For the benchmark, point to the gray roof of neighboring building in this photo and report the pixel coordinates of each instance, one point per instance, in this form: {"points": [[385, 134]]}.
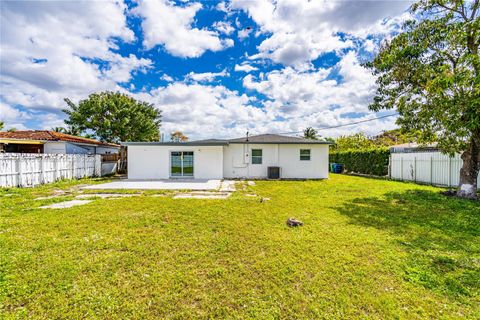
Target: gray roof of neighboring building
{"points": [[259, 139], [413, 146]]}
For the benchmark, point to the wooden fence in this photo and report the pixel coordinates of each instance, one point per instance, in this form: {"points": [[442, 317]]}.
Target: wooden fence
{"points": [[24, 170], [426, 167]]}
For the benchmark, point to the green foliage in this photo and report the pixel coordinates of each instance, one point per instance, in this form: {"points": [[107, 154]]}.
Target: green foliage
{"points": [[369, 249], [431, 74], [367, 161], [1, 125], [358, 141], [115, 117], [310, 133], [74, 131]]}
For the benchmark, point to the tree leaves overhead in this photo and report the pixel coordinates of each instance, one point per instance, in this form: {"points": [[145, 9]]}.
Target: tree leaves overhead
{"points": [[115, 117], [431, 73]]}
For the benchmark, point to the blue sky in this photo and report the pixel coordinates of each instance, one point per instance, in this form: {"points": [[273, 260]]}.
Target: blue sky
{"points": [[214, 68]]}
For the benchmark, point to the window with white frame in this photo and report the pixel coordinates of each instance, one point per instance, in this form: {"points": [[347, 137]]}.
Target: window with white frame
{"points": [[257, 156], [305, 154]]}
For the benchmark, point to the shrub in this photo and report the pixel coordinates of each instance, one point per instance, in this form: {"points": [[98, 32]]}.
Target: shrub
{"points": [[371, 161]]}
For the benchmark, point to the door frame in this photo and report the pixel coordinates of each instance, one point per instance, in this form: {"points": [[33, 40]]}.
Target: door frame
{"points": [[170, 165]]}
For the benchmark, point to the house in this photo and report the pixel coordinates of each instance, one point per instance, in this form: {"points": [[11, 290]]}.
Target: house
{"points": [[258, 157], [45, 141]]}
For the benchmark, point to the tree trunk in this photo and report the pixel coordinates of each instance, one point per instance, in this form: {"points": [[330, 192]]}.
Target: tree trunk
{"points": [[467, 187]]}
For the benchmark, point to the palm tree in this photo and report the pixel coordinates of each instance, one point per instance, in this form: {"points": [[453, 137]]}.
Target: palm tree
{"points": [[59, 129], [310, 133]]}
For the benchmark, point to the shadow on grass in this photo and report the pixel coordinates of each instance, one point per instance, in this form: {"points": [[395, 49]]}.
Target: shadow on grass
{"points": [[440, 235]]}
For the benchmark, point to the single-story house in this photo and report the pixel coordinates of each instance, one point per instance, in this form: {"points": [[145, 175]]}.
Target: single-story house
{"points": [[46, 141], [257, 157]]}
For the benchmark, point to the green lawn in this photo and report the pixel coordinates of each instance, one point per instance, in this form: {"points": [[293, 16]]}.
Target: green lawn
{"points": [[369, 249]]}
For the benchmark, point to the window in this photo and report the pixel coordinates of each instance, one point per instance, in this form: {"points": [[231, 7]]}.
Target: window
{"points": [[305, 154], [256, 156]]}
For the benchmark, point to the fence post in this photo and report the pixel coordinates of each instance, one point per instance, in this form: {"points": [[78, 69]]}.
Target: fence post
{"points": [[401, 168], [449, 171], [73, 166], [19, 171], [415, 169], [431, 169], [42, 171], [55, 169], [84, 165]]}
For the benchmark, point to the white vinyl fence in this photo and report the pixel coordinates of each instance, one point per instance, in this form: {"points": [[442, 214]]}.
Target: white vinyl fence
{"points": [[427, 167], [25, 170]]}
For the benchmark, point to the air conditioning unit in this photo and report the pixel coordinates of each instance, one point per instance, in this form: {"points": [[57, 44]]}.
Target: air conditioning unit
{"points": [[273, 172]]}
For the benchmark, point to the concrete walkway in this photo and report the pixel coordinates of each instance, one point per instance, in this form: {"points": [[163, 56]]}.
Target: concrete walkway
{"points": [[173, 184]]}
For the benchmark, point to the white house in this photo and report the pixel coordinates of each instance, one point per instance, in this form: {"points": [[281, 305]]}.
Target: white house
{"points": [[258, 157]]}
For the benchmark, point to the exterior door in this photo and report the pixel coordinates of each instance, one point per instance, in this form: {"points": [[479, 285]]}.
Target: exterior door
{"points": [[181, 164]]}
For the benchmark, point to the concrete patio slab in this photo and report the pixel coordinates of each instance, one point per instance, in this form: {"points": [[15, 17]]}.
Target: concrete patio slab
{"points": [[106, 195], [213, 195], [66, 204], [173, 184]]}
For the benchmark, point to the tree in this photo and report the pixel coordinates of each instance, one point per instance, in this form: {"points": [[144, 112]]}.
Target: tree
{"points": [[310, 133], [114, 117], [396, 136], [1, 125], [74, 131], [178, 136], [431, 74], [356, 141]]}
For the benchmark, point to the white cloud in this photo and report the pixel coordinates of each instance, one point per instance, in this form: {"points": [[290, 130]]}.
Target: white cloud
{"points": [[224, 27], [245, 67], [301, 31], [121, 67], [370, 46], [171, 26], [242, 34], [311, 98], [206, 76], [203, 111], [166, 77], [46, 57]]}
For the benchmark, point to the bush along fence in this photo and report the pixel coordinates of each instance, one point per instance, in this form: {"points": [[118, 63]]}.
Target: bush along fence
{"points": [[25, 170], [372, 162]]}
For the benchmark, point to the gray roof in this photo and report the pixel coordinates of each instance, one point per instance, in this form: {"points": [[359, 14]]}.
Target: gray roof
{"points": [[276, 139], [206, 142], [413, 146], [259, 139]]}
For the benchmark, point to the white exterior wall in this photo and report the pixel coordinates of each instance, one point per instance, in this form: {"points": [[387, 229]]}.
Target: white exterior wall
{"points": [[55, 147], [153, 162], [237, 162], [62, 147], [104, 150]]}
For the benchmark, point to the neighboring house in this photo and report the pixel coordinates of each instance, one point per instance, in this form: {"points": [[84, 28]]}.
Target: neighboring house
{"points": [[45, 141], [290, 157]]}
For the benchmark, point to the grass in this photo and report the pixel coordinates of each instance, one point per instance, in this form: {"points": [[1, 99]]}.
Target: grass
{"points": [[369, 249]]}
